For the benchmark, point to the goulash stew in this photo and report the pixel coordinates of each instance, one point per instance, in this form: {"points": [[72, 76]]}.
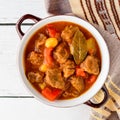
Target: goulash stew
{"points": [[62, 60]]}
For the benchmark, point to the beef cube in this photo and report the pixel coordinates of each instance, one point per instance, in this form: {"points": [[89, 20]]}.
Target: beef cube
{"points": [[35, 77], [61, 53], [91, 65], [68, 68], [39, 42], [35, 58], [54, 78], [70, 93], [77, 83], [68, 33]]}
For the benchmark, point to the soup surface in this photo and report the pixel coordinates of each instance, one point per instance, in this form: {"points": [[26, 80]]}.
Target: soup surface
{"points": [[62, 60]]}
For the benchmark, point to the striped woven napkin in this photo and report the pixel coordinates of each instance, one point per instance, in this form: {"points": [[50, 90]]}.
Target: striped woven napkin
{"points": [[105, 16]]}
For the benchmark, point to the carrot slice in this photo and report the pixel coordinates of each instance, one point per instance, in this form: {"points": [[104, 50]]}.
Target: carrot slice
{"points": [[91, 79], [48, 56], [51, 94], [51, 30], [80, 72]]}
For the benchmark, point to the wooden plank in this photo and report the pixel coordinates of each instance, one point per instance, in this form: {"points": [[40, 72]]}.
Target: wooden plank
{"points": [[31, 109], [10, 81], [12, 10]]}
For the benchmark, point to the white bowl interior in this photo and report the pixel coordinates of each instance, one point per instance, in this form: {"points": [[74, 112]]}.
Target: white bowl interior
{"points": [[104, 67]]}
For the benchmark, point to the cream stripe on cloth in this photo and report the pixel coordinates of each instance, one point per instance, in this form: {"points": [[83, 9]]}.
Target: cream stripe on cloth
{"points": [[104, 15]]}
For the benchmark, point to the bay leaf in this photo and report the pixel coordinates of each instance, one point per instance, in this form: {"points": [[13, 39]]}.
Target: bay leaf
{"points": [[79, 47]]}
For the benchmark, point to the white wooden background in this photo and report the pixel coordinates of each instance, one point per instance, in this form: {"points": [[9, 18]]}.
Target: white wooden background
{"points": [[16, 103]]}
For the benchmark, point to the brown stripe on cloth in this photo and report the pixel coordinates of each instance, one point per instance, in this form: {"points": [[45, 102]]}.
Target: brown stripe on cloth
{"points": [[102, 11], [107, 109], [119, 2], [91, 12], [86, 10], [78, 10], [93, 6], [117, 7], [111, 15], [83, 10], [115, 13], [98, 9]]}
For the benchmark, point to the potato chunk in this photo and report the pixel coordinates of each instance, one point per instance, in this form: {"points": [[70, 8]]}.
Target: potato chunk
{"points": [[51, 42]]}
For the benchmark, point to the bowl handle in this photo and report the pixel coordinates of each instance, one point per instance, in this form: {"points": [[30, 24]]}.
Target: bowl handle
{"points": [[22, 19], [97, 105]]}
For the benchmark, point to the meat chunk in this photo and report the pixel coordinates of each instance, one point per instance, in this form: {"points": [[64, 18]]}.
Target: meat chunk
{"points": [[40, 41], [77, 83], [68, 33], [35, 77], [61, 53], [68, 68], [70, 93], [35, 58], [54, 78], [91, 65]]}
